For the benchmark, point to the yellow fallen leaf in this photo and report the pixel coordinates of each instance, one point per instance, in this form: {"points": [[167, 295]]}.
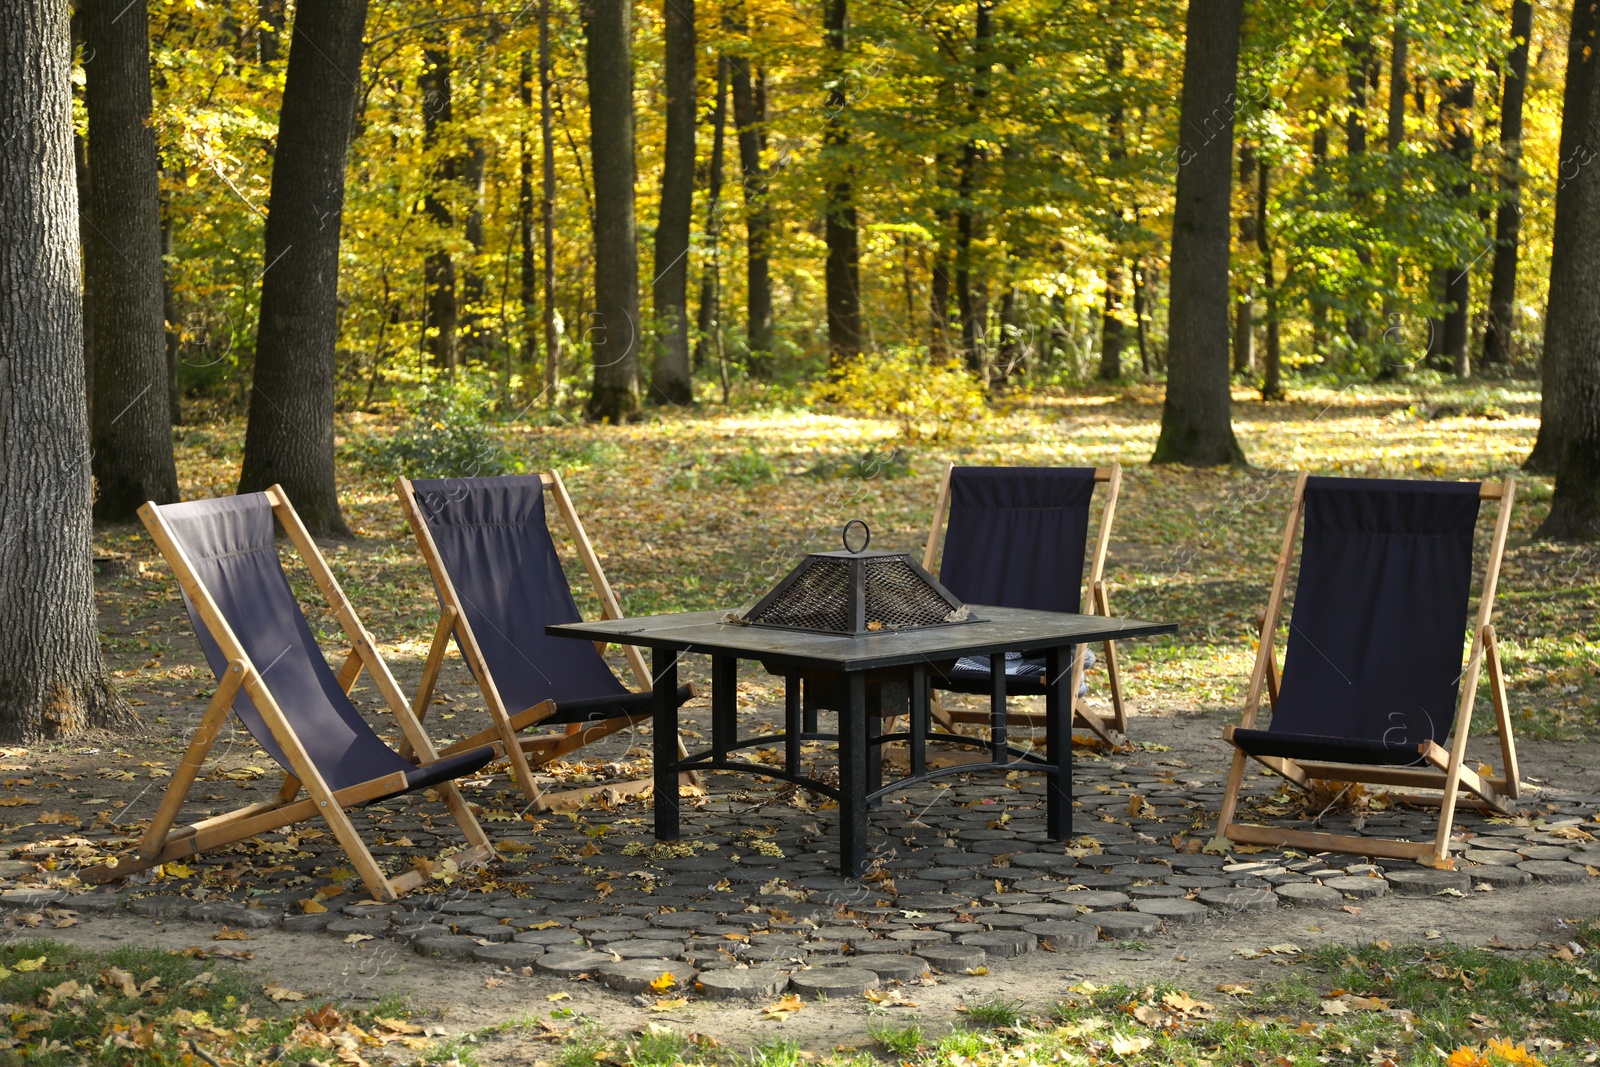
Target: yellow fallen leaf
{"points": [[664, 1004], [312, 907], [978, 970], [1335, 1007], [783, 1005], [36, 964], [280, 994], [1185, 1004], [1128, 1046], [892, 998], [548, 924], [664, 983], [177, 870], [1234, 989], [356, 939], [559, 996], [493, 983], [228, 933]]}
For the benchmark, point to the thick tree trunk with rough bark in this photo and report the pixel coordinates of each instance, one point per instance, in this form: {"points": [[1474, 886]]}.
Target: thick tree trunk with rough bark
{"points": [[1196, 423], [1572, 326], [1580, 144], [749, 113], [290, 435], [669, 378], [841, 272], [1508, 216], [131, 427], [52, 680], [608, 60]]}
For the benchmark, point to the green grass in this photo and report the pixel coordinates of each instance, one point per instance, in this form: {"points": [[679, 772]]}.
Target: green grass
{"points": [[995, 1012], [135, 1007], [902, 1042]]}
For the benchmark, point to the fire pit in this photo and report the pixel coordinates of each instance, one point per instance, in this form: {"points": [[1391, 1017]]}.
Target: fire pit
{"points": [[856, 592]]}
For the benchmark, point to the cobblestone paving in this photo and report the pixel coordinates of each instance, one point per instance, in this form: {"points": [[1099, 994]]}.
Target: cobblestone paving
{"points": [[748, 904]]}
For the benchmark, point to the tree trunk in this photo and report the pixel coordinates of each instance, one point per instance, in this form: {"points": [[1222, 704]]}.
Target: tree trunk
{"points": [[439, 271], [547, 212], [608, 60], [1568, 410], [476, 340], [527, 239], [172, 334], [749, 116], [131, 431], [290, 435], [270, 22], [1508, 216], [1244, 314], [1395, 361], [1454, 103], [52, 680], [1141, 326], [1358, 78], [1272, 378], [970, 287], [708, 320], [939, 300], [841, 272], [1196, 427], [669, 379], [1113, 333]]}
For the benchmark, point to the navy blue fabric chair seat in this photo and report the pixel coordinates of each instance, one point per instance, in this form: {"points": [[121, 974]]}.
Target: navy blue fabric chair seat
{"points": [[1328, 749], [494, 564], [1373, 670], [273, 676]]}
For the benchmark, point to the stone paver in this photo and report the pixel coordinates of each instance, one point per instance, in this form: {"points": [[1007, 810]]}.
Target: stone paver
{"points": [[1425, 881], [640, 976], [834, 981], [750, 983]]}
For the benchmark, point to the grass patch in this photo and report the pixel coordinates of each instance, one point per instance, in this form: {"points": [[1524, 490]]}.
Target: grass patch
{"points": [[995, 1013], [135, 1007]]}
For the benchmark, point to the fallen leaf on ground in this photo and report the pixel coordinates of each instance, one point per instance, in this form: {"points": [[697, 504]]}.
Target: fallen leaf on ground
{"points": [[280, 994]]}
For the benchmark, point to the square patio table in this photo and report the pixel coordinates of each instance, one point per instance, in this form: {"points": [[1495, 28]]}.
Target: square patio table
{"points": [[992, 632]]}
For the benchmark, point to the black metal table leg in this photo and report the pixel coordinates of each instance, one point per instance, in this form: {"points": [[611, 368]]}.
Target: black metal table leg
{"points": [[997, 707], [1058, 742], [664, 690], [919, 721], [852, 777], [724, 705], [791, 721]]}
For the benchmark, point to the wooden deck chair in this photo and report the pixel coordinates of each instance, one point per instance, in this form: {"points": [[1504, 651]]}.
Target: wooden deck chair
{"points": [[1018, 537], [500, 583], [1372, 687], [272, 674]]}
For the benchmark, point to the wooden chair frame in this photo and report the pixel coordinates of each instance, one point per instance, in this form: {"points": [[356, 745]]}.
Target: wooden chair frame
{"points": [[1111, 728], [522, 753], [161, 843], [1446, 768]]}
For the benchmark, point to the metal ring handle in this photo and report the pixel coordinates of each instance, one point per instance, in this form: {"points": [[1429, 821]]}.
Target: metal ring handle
{"points": [[844, 535]]}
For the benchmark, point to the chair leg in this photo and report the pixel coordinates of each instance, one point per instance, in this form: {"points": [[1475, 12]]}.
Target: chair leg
{"points": [[1230, 795], [1502, 715], [182, 778]]}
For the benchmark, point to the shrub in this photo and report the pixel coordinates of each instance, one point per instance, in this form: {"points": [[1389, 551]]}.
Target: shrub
{"points": [[446, 437], [928, 400]]}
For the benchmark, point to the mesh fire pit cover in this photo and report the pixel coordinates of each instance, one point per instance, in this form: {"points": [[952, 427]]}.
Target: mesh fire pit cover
{"points": [[857, 592]]}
